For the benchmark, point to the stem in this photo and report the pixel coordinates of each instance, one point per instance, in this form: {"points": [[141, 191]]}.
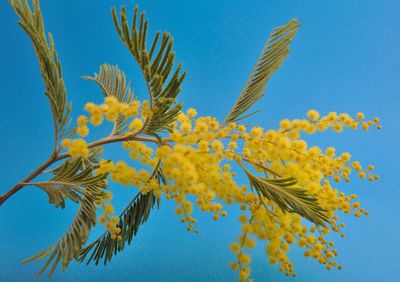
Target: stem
{"points": [[28, 178], [263, 167], [113, 139], [57, 157]]}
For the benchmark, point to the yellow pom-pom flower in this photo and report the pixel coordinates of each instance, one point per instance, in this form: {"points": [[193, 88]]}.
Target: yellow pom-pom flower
{"points": [[313, 115], [136, 124]]}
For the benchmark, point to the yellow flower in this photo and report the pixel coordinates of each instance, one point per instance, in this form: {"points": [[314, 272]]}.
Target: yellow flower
{"points": [[90, 107], [191, 112], [65, 143], [82, 120], [199, 164], [82, 131], [313, 115], [96, 119], [360, 115], [136, 124], [108, 196], [285, 124], [78, 148], [109, 209], [244, 258], [256, 131]]}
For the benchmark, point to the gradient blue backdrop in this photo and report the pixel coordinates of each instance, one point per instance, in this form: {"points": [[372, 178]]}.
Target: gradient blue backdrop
{"points": [[345, 58]]}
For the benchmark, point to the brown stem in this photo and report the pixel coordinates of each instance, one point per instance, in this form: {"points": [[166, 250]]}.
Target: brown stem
{"points": [[56, 157], [263, 167], [28, 178], [114, 139]]}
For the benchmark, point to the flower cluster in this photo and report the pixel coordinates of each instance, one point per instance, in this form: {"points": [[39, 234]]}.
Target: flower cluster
{"points": [[76, 148], [108, 219], [199, 159], [280, 153], [112, 109]]}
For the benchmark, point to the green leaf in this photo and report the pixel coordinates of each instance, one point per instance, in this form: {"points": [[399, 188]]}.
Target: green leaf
{"points": [[134, 215], [60, 187], [68, 183], [69, 246], [272, 56], [81, 163], [91, 187], [113, 82], [58, 193], [156, 64], [68, 174], [32, 22], [289, 197]]}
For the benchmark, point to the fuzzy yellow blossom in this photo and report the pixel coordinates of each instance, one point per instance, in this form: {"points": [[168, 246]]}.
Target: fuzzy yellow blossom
{"points": [[338, 127], [108, 209], [82, 131], [136, 124], [146, 113], [191, 112], [102, 219], [360, 115], [82, 120], [217, 145], [132, 109], [365, 126], [90, 107], [112, 114], [285, 124], [108, 196], [110, 100], [313, 115], [186, 127], [242, 128], [330, 151], [65, 143], [78, 148], [96, 119], [197, 164]]}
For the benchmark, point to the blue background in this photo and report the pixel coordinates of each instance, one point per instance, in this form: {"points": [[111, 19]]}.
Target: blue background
{"points": [[345, 58]]}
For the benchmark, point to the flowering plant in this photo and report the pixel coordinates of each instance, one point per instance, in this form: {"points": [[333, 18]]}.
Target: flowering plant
{"points": [[291, 196]]}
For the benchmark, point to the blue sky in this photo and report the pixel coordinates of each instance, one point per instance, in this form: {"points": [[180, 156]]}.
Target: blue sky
{"points": [[344, 58]]}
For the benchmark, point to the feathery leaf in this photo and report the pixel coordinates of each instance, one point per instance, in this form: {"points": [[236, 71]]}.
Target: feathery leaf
{"points": [[134, 215], [156, 65], [32, 22], [91, 187], [288, 197], [58, 193], [113, 82], [81, 163], [272, 56]]}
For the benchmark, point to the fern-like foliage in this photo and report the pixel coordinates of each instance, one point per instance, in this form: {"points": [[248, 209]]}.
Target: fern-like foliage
{"points": [[91, 187], [80, 163], [32, 22], [58, 193], [113, 82], [68, 182], [272, 56], [135, 214], [289, 197], [156, 65]]}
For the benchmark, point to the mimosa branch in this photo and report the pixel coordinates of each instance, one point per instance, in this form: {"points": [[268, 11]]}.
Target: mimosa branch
{"points": [[55, 157]]}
